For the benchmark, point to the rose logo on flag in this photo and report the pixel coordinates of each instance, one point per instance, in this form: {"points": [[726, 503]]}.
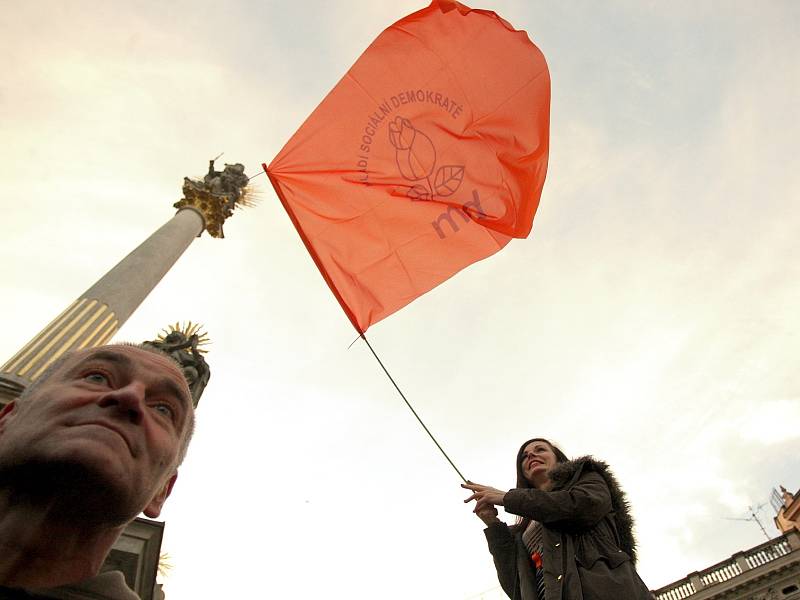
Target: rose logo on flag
{"points": [[415, 155]]}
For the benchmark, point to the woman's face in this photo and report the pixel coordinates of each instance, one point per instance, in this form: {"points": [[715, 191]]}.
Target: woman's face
{"points": [[537, 458]]}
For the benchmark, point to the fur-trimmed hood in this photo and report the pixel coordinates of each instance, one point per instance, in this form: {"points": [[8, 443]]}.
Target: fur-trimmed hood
{"points": [[564, 475]]}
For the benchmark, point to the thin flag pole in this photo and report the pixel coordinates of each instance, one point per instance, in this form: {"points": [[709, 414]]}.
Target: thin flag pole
{"points": [[411, 408]]}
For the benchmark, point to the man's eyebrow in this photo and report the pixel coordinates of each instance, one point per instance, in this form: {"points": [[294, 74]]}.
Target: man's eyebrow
{"points": [[108, 356]]}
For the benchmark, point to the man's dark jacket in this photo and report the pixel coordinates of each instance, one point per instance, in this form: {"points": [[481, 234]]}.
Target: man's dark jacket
{"points": [[589, 552]]}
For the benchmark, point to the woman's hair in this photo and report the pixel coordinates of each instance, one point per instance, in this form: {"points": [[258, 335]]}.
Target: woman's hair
{"points": [[522, 482]]}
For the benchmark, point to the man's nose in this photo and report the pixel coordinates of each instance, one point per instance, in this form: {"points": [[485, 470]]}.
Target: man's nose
{"points": [[127, 401]]}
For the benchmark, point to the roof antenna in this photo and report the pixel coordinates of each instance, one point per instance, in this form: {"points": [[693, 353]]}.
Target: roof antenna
{"points": [[753, 517]]}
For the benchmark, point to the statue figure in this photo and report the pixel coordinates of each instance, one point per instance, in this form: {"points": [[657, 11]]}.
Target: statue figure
{"points": [[229, 181], [184, 349], [217, 195]]}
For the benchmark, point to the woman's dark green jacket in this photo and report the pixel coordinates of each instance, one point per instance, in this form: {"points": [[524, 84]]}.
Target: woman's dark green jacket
{"points": [[588, 548]]}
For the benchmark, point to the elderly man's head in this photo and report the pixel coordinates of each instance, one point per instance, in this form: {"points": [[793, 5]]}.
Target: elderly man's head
{"points": [[110, 423]]}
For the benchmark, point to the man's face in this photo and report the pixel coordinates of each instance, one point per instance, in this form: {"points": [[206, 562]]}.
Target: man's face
{"points": [[120, 413]]}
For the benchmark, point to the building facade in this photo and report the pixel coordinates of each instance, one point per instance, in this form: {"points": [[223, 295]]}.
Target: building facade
{"points": [[769, 571]]}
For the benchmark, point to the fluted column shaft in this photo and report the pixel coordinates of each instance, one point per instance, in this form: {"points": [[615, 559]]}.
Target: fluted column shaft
{"points": [[97, 314]]}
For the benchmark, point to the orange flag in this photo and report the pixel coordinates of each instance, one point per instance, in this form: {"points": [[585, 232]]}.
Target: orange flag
{"points": [[430, 154]]}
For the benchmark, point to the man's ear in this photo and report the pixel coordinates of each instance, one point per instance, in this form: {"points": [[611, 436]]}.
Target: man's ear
{"points": [[153, 509]]}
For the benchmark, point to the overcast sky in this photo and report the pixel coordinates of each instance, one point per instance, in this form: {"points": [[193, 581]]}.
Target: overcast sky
{"points": [[650, 319]]}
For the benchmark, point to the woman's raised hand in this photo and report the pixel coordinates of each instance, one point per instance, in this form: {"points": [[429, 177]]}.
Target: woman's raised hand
{"points": [[486, 498]]}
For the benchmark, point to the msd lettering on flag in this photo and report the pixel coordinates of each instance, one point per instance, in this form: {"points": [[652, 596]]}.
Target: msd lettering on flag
{"points": [[430, 154]]}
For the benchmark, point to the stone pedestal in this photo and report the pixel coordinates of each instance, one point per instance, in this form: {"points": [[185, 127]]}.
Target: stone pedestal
{"points": [[136, 554]]}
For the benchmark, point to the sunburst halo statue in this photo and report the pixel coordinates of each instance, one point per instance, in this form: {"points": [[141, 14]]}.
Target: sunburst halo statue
{"points": [[187, 329], [184, 343]]}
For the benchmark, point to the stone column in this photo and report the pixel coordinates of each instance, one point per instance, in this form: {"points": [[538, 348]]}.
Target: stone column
{"points": [[99, 312]]}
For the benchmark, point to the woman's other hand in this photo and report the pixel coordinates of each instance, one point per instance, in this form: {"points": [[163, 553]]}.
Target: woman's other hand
{"points": [[486, 498], [488, 515]]}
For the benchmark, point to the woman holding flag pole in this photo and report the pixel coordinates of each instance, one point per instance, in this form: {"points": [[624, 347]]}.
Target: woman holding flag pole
{"points": [[573, 539]]}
